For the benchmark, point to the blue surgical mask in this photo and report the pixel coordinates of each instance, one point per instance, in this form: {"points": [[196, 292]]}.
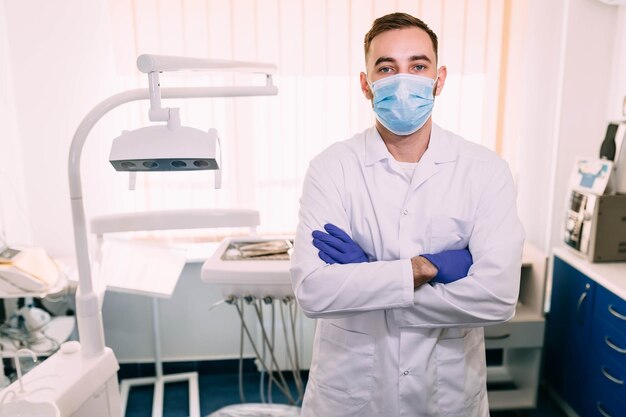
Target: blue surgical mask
{"points": [[403, 102]]}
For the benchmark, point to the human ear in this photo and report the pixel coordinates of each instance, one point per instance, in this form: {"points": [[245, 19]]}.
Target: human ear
{"points": [[365, 88], [442, 73]]}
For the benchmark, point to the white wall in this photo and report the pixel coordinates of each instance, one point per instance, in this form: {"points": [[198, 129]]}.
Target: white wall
{"points": [[588, 64], [57, 54], [569, 61], [538, 98], [617, 95], [14, 225]]}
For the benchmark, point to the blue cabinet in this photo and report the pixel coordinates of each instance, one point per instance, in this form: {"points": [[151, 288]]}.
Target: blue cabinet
{"points": [[568, 332], [585, 349], [608, 363]]}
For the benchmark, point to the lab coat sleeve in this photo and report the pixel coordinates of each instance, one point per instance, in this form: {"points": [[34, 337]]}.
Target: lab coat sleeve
{"points": [[336, 290], [488, 295]]}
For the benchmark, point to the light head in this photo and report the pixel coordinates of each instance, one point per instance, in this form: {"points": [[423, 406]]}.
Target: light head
{"points": [[161, 148]]}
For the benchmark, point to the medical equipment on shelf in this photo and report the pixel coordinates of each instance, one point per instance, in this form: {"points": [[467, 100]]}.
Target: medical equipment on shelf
{"points": [[253, 273], [27, 269], [613, 149], [239, 274], [27, 273], [595, 224], [80, 379]]}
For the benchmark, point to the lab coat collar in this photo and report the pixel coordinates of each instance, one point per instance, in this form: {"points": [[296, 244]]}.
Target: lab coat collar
{"points": [[441, 148]]}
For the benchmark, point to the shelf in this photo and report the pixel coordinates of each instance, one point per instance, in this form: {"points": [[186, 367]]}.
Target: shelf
{"points": [[511, 399], [513, 383], [513, 386], [531, 255], [524, 313]]}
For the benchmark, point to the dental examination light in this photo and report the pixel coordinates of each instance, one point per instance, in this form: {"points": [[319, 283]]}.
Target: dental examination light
{"points": [[172, 147], [166, 147], [199, 145]]}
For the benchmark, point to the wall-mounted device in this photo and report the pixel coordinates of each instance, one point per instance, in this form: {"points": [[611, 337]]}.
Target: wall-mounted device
{"points": [[595, 225], [595, 218]]}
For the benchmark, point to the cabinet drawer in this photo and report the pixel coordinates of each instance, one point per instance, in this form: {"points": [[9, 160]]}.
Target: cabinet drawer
{"points": [[609, 343], [611, 407], [515, 334], [610, 308], [609, 379]]}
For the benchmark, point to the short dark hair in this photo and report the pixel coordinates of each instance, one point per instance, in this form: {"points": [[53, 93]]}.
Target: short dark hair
{"points": [[397, 21]]}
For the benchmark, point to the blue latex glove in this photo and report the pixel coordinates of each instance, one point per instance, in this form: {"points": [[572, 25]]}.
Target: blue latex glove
{"points": [[451, 265], [337, 247]]}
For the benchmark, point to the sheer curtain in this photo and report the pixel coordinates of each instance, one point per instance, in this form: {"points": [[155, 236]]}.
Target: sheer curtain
{"points": [[318, 48]]}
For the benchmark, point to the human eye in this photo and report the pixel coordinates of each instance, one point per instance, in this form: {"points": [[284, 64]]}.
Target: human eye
{"points": [[419, 67], [385, 70]]}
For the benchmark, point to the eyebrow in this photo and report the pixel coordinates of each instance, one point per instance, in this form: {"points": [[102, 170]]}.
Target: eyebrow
{"points": [[420, 58], [392, 60]]}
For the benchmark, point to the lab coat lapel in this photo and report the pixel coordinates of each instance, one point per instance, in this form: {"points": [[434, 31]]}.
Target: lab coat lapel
{"points": [[440, 152], [423, 171]]}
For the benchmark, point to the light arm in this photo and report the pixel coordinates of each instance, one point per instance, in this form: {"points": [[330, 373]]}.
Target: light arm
{"points": [[88, 300], [148, 63]]}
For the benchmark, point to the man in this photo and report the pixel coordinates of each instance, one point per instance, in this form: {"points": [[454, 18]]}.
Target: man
{"points": [[401, 334]]}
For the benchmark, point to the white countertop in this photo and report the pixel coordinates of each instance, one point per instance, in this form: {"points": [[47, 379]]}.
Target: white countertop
{"points": [[611, 275]]}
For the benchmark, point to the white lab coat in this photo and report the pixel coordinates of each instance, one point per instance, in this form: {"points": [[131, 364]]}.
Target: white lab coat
{"points": [[382, 348]]}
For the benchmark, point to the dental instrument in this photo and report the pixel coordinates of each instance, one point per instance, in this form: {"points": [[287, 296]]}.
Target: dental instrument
{"points": [[253, 272]]}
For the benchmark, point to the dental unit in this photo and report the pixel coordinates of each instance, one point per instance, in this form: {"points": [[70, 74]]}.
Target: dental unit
{"points": [[80, 380]]}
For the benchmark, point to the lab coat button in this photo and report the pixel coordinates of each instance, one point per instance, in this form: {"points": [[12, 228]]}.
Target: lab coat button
{"points": [[405, 212], [405, 373]]}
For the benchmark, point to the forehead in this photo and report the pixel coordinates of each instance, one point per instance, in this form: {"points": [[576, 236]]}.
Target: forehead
{"points": [[401, 44]]}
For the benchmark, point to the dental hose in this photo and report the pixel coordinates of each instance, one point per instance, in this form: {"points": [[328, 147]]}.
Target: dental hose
{"points": [[294, 370], [273, 357], [262, 376], [242, 396], [273, 327], [284, 388], [293, 315]]}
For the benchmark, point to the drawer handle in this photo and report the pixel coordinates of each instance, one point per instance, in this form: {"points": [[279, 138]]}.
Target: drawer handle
{"points": [[615, 313], [613, 345], [499, 337], [580, 303], [611, 377], [601, 410]]}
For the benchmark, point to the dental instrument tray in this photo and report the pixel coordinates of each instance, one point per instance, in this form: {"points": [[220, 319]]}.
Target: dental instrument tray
{"points": [[250, 266], [268, 250]]}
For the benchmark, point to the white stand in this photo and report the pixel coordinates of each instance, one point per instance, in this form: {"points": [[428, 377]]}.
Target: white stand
{"points": [[160, 380], [147, 270]]}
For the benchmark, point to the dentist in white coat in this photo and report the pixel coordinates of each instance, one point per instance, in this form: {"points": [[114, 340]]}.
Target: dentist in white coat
{"points": [[401, 334]]}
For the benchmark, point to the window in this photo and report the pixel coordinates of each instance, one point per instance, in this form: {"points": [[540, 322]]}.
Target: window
{"points": [[318, 47]]}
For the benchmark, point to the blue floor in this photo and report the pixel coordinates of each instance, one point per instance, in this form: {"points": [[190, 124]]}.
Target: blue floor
{"points": [[220, 387]]}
